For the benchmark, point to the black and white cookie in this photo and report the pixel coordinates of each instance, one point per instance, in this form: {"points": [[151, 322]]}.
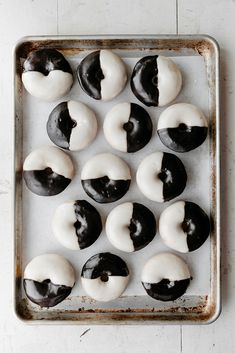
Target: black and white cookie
{"points": [[184, 226], [161, 176], [76, 224], [156, 80], [130, 226], [105, 178], [128, 127], [165, 277], [102, 74], [182, 127], [48, 279], [47, 171], [47, 75], [72, 125], [104, 277]]}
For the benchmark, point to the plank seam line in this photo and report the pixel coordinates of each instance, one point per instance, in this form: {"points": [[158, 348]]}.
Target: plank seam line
{"points": [[177, 16]]}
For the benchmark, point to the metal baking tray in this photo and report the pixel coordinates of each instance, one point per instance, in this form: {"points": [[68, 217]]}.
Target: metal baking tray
{"points": [[198, 58]]}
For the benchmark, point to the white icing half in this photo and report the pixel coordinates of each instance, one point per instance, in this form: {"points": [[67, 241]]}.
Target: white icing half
{"points": [[117, 224], [115, 75], [181, 113], [63, 225], [86, 129], [105, 291], [169, 80], [147, 177], [50, 157], [113, 126], [106, 164], [164, 266], [49, 88], [170, 227], [50, 266]]}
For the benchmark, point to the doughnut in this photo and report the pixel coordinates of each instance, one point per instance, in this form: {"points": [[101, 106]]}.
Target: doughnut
{"points": [[72, 125], [182, 127], [105, 178], [102, 74], [76, 224], [47, 171], [130, 226], [48, 279], [161, 176], [184, 226], [104, 277], [165, 277], [47, 75], [128, 127], [156, 80]]}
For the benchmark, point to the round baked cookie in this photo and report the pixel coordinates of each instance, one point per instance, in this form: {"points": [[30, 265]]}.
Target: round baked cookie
{"points": [[104, 277], [47, 75], [128, 127], [105, 178], [102, 74], [47, 171], [130, 226], [76, 224], [161, 176], [182, 127], [48, 279], [184, 226], [165, 277], [156, 80], [72, 125]]}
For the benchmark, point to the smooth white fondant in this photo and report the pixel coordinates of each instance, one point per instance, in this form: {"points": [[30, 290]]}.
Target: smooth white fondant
{"points": [[113, 126], [147, 177], [50, 157], [50, 266], [106, 164], [117, 224], [49, 88], [169, 80], [181, 113], [164, 266], [115, 75], [170, 227]]}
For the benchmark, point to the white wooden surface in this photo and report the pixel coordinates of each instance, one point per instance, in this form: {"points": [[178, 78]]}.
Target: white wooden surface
{"points": [[25, 17]]}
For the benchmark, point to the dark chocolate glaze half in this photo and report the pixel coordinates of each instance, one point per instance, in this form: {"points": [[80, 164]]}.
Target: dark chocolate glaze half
{"points": [[144, 80], [45, 182], [46, 60], [183, 138], [90, 74], [45, 294], [142, 226], [88, 225], [139, 128], [105, 190], [104, 264], [196, 225], [166, 290], [60, 125], [173, 175]]}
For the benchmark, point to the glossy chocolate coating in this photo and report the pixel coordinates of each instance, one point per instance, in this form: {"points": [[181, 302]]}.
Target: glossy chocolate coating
{"points": [[105, 190], [142, 226], [46, 60], [45, 182], [104, 264], [183, 138], [166, 290], [45, 294], [88, 225], [144, 80], [196, 225]]}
